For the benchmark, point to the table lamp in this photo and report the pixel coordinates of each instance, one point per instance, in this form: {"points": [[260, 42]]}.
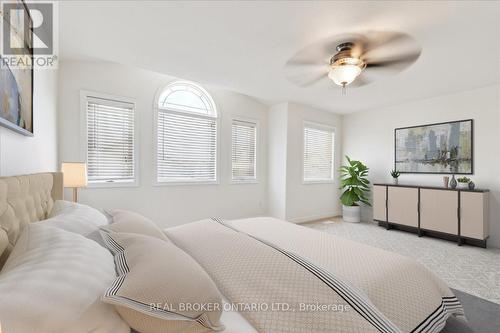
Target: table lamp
{"points": [[75, 176]]}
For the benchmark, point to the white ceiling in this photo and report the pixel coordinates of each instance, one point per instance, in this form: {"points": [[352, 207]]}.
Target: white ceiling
{"points": [[243, 46]]}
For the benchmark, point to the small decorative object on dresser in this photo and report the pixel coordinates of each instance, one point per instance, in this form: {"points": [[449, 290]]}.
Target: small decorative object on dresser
{"points": [[453, 182], [395, 175], [472, 186], [446, 181], [355, 186], [463, 182]]}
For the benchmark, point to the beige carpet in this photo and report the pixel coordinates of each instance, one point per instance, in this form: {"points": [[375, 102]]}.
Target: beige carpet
{"points": [[471, 269]]}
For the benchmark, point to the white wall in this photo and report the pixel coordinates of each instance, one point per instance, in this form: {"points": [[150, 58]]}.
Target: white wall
{"points": [[289, 197], [167, 205], [369, 136], [278, 130], [306, 202], [21, 154]]}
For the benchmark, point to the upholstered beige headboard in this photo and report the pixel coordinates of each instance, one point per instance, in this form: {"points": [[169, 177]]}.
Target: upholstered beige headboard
{"points": [[25, 199]]}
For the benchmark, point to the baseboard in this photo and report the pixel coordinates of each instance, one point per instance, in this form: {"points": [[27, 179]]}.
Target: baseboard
{"points": [[312, 218]]}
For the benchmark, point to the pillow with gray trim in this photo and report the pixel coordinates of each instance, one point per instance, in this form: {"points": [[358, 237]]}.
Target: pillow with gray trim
{"points": [[159, 287], [135, 223]]}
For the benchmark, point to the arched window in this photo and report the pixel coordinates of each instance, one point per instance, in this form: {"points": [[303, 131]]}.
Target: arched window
{"points": [[186, 134]]}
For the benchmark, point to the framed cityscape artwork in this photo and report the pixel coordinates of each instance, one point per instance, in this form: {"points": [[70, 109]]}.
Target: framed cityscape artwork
{"points": [[442, 148]]}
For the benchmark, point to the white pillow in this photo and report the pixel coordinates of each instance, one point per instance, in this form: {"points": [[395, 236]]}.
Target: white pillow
{"points": [[70, 216], [59, 206], [53, 284], [131, 222]]}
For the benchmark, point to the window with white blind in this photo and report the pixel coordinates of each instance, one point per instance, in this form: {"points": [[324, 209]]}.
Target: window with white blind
{"points": [[110, 139], [244, 151], [186, 130], [318, 153]]}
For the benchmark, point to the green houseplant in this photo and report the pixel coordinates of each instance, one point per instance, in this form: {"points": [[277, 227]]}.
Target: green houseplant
{"points": [[463, 182], [395, 175], [355, 187]]}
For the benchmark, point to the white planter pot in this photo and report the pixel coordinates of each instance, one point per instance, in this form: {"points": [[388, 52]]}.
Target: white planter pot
{"points": [[351, 213], [464, 186]]}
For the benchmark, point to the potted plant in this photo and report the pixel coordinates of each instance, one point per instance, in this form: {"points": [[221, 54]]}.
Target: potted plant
{"points": [[395, 175], [355, 186], [463, 182]]}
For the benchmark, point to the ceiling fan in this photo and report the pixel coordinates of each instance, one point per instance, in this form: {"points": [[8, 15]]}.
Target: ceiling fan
{"points": [[354, 59]]}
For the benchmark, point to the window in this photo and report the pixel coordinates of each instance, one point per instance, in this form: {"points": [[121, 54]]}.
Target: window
{"points": [[110, 140], [244, 151], [186, 135], [318, 153]]}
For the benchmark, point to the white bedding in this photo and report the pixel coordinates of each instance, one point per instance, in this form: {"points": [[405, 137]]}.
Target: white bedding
{"points": [[249, 260], [268, 261], [235, 322], [52, 283]]}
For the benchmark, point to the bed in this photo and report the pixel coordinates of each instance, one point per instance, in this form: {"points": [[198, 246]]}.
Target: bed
{"points": [[269, 275], [25, 199]]}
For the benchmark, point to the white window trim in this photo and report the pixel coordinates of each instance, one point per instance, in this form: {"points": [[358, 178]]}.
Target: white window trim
{"points": [[156, 109], [159, 93], [333, 129], [257, 152], [84, 94]]}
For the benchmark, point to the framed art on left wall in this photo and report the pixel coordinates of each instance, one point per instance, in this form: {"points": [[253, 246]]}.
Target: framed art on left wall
{"points": [[16, 69]]}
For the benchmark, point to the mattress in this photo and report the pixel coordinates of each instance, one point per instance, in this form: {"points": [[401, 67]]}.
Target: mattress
{"points": [[267, 261]]}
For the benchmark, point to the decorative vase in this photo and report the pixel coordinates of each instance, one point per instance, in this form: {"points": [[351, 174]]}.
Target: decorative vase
{"points": [[395, 181], [472, 186], [446, 181], [453, 182], [351, 213]]}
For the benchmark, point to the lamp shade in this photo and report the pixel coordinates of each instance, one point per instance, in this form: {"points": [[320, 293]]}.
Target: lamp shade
{"points": [[74, 174]]}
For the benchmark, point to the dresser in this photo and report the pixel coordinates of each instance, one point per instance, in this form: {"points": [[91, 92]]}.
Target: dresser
{"points": [[455, 214]]}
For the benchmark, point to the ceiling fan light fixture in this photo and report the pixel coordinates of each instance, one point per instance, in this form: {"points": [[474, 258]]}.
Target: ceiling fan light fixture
{"points": [[344, 71], [344, 75]]}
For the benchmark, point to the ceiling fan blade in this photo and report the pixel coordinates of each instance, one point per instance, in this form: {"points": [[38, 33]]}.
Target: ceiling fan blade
{"points": [[329, 46], [360, 81], [380, 50], [398, 62], [303, 62], [320, 52], [307, 80], [303, 72], [379, 39], [391, 49]]}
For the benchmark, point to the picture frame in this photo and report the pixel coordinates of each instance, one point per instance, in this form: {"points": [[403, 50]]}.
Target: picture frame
{"points": [[438, 148], [17, 83]]}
